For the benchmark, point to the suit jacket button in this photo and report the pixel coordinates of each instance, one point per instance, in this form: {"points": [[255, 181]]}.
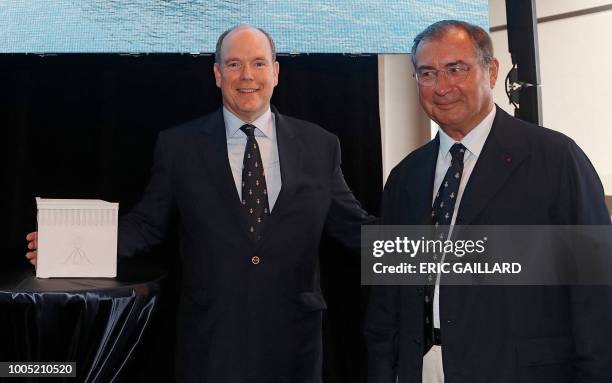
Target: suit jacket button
{"points": [[255, 260]]}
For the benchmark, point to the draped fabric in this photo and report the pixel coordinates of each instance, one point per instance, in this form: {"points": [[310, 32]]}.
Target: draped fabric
{"points": [[96, 323]]}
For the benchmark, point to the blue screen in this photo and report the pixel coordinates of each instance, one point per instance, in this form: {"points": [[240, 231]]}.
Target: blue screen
{"points": [[192, 26]]}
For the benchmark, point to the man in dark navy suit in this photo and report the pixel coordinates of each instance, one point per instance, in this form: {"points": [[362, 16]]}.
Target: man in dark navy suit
{"points": [[503, 171], [253, 190]]}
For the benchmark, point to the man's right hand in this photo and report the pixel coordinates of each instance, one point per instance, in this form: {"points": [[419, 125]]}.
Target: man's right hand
{"points": [[32, 239]]}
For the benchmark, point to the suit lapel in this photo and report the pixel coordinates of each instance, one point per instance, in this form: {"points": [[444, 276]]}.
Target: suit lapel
{"points": [[213, 150], [290, 154], [502, 153], [419, 190]]}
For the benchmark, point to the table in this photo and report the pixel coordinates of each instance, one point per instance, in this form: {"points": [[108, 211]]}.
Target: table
{"points": [[95, 322]]}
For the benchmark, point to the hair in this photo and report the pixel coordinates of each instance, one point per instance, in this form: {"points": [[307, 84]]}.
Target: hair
{"points": [[242, 26], [480, 38]]}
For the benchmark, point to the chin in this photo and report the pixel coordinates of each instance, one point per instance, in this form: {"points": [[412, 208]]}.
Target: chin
{"points": [[450, 116], [247, 109]]}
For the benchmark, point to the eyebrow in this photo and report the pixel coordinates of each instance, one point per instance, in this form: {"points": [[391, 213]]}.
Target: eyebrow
{"points": [[230, 59], [453, 63], [447, 65]]}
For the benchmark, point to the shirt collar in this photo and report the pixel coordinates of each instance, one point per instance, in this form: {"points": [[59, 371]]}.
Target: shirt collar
{"points": [[263, 124], [474, 140]]}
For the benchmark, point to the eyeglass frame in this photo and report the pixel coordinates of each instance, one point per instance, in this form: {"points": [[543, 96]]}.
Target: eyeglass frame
{"points": [[467, 69]]}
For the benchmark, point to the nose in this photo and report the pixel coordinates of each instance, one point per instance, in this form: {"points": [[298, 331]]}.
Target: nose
{"points": [[442, 85], [246, 73]]}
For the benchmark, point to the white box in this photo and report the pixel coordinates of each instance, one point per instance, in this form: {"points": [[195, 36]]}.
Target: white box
{"points": [[76, 238]]}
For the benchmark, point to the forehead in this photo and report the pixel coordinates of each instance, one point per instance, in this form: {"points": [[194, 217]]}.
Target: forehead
{"points": [[455, 45], [245, 42]]}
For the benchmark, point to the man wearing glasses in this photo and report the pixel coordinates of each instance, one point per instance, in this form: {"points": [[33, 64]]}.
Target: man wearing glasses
{"points": [[486, 168]]}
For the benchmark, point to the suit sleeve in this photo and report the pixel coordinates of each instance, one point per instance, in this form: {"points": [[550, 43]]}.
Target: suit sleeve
{"points": [[583, 198], [382, 318], [345, 215], [146, 224]]}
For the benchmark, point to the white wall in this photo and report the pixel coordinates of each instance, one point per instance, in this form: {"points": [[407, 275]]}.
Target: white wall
{"points": [[576, 71], [404, 125]]}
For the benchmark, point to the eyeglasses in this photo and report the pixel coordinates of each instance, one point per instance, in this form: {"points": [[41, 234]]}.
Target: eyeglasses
{"points": [[454, 75]]}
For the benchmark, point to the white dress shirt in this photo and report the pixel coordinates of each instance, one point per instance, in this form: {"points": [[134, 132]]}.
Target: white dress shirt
{"points": [[473, 142], [265, 135]]}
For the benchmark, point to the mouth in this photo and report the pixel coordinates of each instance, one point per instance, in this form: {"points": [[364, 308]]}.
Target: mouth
{"points": [[247, 90], [446, 105]]}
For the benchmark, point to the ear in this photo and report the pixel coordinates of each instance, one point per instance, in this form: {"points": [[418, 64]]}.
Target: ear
{"points": [[217, 72], [276, 70], [493, 69]]}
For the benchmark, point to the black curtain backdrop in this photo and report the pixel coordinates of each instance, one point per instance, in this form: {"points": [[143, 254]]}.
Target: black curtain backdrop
{"points": [[84, 126]]}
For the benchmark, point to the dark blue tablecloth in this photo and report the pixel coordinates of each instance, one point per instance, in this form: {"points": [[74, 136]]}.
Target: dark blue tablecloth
{"points": [[95, 322]]}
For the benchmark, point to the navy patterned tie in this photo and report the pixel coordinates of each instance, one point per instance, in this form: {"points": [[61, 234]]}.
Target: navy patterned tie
{"points": [[441, 216], [254, 192]]}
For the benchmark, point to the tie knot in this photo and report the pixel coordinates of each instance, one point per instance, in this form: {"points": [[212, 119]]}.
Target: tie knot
{"points": [[248, 129], [457, 152]]}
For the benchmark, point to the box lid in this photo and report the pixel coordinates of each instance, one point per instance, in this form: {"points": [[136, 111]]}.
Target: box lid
{"points": [[69, 204]]}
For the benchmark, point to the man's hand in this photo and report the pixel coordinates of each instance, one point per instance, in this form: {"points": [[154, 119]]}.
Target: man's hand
{"points": [[32, 239]]}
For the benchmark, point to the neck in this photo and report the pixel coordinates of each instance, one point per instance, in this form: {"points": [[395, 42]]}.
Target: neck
{"points": [[246, 118], [456, 134]]}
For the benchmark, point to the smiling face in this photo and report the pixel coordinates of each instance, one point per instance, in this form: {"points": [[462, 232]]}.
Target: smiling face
{"points": [[460, 107], [246, 73]]}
